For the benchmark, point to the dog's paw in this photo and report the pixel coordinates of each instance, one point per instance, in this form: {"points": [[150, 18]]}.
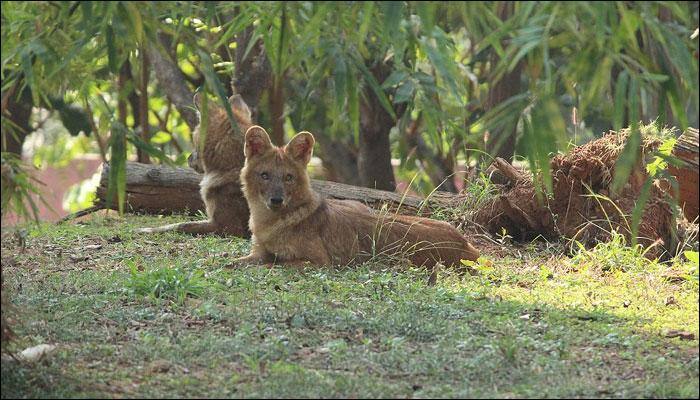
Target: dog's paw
{"points": [[241, 262]]}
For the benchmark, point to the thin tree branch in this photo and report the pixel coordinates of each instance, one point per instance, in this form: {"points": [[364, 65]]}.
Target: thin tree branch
{"points": [[172, 80], [98, 138], [143, 106]]}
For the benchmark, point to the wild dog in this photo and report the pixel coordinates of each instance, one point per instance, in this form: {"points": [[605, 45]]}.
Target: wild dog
{"points": [[219, 157], [292, 224]]}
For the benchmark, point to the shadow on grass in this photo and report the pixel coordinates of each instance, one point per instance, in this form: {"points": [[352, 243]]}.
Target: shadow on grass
{"points": [[326, 333]]}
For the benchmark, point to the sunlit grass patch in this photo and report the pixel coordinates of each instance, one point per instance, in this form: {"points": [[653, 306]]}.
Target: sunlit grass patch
{"points": [[159, 316]]}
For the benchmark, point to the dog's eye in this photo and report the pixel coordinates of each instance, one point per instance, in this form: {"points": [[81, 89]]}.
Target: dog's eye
{"points": [[265, 176], [289, 177]]}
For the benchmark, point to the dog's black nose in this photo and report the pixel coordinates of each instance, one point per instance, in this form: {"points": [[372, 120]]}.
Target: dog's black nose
{"points": [[276, 201]]}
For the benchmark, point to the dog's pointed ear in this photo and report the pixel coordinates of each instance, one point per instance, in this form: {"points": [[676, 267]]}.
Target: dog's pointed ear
{"points": [[301, 147], [257, 142], [239, 107]]}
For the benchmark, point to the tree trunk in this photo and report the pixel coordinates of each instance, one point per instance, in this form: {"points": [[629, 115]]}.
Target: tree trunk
{"points": [[122, 79], [133, 96], [253, 74], [339, 160], [276, 102], [374, 155], [501, 141], [18, 112]]}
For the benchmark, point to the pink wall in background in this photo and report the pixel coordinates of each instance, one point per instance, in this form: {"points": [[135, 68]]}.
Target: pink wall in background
{"points": [[57, 181]]}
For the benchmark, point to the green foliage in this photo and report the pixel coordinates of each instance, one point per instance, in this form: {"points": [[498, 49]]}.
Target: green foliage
{"points": [[612, 256], [656, 169], [19, 189], [689, 267], [116, 186], [585, 67], [477, 193], [81, 195], [168, 283]]}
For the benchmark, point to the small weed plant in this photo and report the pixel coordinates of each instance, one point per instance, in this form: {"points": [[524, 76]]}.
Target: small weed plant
{"points": [[165, 282]]}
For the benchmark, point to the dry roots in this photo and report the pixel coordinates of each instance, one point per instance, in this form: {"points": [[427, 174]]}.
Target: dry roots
{"points": [[582, 206]]}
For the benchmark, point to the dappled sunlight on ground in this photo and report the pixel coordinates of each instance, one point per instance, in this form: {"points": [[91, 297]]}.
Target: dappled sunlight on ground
{"points": [[159, 315]]}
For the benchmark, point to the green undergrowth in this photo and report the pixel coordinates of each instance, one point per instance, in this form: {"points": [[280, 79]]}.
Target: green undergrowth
{"points": [[159, 315]]}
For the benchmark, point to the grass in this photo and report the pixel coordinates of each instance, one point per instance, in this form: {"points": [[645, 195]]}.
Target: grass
{"points": [[160, 316], [165, 282], [477, 193]]}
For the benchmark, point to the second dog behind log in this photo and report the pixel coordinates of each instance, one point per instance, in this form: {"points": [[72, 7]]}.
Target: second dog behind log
{"points": [[220, 159]]}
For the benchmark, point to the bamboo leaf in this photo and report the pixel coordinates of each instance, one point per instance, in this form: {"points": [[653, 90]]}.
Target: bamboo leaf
{"points": [[251, 43], [111, 49], [237, 25], [639, 208], [394, 79], [405, 92], [441, 61], [135, 19], [426, 12], [137, 141], [353, 104], [340, 72], [630, 154], [544, 136], [376, 89], [680, 57], [215, 85], [367, 13], [116, 185], [391, 11], [620, 97], [673, 96]]}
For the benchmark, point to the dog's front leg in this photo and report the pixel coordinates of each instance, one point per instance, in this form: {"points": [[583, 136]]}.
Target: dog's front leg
{"points": [[258, 255]]}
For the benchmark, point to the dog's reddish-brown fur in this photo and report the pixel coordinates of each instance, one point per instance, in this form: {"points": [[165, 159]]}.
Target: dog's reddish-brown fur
{"points": [[292, 224], [219, 158]]}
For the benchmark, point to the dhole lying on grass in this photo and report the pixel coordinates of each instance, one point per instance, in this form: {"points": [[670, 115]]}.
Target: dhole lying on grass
{"points": [[218, 158], [292, 224]]}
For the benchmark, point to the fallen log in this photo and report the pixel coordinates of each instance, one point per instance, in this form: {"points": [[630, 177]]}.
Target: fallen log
{"points": [[157, 189], [154, 189]]}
